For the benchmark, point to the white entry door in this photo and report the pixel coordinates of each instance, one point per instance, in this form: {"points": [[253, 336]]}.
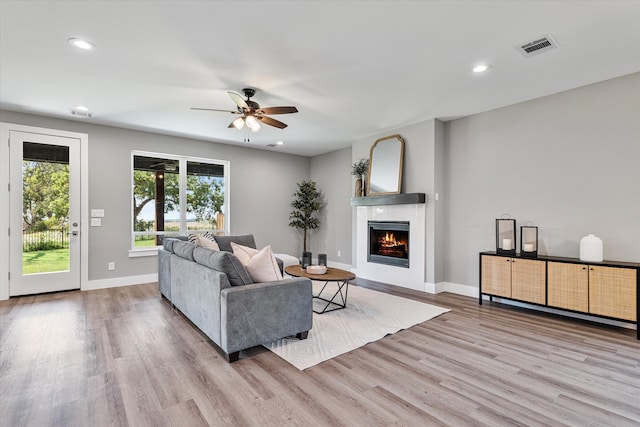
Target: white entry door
{"points": [[44, 214]]}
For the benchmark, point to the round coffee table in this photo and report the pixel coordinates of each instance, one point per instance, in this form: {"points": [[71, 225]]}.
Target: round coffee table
{"points": [[333, 275]]}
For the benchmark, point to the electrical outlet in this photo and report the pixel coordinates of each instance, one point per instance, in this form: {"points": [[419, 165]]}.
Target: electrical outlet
{"points": [[111, 266], [338, 254]]}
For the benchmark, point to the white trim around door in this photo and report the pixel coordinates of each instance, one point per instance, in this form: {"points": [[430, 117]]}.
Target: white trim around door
{"points": [[5, 131]]}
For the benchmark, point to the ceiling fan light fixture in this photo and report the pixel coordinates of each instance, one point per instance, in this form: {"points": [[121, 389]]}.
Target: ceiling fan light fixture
{"points": [[481, 68], [81, 44], [251, 114], [253, 123], [238, 123]]}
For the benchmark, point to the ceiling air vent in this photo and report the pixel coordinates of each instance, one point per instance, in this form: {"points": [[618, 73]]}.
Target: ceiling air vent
{"points": [[84, 114], [535, 47]]}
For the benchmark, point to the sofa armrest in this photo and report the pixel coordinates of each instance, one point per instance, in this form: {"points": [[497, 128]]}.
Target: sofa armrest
{"points": [[164, 273], [196, 292], [263, 312]]}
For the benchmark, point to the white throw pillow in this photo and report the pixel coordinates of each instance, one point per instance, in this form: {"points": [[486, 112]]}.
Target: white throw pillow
{"points": [[244, 253], [260, 263], [207, 243], [205, 240]]}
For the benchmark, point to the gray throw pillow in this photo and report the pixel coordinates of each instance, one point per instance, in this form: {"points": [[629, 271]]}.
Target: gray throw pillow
{"points": [[183, 249], [224, 242], [224, 262]]}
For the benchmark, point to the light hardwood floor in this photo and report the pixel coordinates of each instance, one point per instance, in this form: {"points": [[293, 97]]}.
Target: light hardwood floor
{"points": [[122, 356]]}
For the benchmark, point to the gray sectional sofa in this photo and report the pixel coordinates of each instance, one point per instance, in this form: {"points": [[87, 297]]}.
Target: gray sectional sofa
{"points": [[215, 292]]}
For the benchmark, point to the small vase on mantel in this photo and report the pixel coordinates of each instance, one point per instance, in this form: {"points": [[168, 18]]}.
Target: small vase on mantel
{"points": [[359, 192]]}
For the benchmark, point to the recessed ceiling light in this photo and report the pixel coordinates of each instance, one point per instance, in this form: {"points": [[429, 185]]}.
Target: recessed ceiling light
{"points": [[280, 143], [81, 44], [81, 108], [480, 68]]}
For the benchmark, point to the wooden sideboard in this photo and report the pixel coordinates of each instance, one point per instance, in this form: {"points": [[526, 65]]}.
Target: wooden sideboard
{"points": [[607, 289]]}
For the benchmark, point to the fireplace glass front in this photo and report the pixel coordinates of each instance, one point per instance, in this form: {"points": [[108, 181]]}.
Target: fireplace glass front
{"points": [[389, 243]]}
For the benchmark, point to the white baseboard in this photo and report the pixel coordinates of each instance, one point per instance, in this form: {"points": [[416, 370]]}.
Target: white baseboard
{"points": [[120, 281], [341, 266], [454, 288]]}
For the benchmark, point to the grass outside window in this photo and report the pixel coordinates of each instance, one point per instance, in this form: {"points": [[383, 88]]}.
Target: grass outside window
{"points": [[45, 261]]}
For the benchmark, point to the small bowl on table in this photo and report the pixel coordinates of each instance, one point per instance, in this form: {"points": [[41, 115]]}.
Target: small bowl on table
{"points": [[316, 269]]}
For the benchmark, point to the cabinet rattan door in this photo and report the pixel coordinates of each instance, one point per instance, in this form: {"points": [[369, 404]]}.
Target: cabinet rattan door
{"points": [[528, 280], [612, 292], [568, 286], [496, 275]]}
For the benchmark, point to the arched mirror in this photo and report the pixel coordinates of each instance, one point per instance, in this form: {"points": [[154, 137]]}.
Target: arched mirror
{"points": [[385, 166]]}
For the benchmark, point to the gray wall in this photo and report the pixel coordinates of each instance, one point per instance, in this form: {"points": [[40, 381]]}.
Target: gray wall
{"points": [[332, 173], [439, 206], [261, 185], [568, 162]]}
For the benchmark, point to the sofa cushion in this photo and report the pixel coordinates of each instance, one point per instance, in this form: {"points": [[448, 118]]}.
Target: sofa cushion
{"points": [[224, 262], [183, 249], [261, 264], [224, 242]]}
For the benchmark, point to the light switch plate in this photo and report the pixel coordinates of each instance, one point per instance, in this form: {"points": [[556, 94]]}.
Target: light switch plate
{"points": [[96, 222], [97, 213]]}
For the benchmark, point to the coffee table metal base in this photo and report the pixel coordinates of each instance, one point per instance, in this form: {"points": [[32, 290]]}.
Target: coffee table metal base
{"points": [[340, 277], [339, 299]]}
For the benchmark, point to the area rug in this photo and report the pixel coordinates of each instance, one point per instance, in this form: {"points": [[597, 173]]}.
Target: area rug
{"points": [[369, 316]]}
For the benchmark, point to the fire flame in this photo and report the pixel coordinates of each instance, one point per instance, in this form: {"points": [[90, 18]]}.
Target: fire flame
{"points": [[389, 240]]}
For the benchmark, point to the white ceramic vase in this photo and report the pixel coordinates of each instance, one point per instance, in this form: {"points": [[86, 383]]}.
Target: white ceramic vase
{"points": [[591, 249]]}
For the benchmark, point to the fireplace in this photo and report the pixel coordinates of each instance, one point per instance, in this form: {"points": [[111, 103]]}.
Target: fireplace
{"points": [[389, 243]]}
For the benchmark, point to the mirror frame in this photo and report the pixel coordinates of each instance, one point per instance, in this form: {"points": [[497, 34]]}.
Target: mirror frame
{"points": [[372, 168]]}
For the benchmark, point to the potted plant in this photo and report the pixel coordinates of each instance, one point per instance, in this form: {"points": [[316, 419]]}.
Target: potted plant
{"points": [[358, 169], [306, 203]]}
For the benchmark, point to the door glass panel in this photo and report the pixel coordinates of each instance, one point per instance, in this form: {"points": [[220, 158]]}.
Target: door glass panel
{"points": [[205, 196], [45, 208]]}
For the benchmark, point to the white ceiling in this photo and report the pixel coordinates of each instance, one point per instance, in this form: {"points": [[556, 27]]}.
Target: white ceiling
{"points": [[353, 68]]}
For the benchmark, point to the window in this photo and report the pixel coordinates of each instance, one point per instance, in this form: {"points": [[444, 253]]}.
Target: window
{"points": [[175, 195]]}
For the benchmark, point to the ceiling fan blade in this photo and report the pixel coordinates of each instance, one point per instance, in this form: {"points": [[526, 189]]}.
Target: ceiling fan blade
{"points": [[278, 110], [271, 122], [215, 109], [237, 98]]}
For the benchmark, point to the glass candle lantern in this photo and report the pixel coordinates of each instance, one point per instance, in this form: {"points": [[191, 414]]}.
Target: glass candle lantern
{"points": [[506, 236], [322, 259], [529, 241], [306, 259]]}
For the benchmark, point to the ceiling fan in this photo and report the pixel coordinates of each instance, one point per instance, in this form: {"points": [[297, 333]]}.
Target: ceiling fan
{"points": [[251, 113]]}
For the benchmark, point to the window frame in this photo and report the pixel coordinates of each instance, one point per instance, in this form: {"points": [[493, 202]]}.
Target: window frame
{"points": [[182, 167]]}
